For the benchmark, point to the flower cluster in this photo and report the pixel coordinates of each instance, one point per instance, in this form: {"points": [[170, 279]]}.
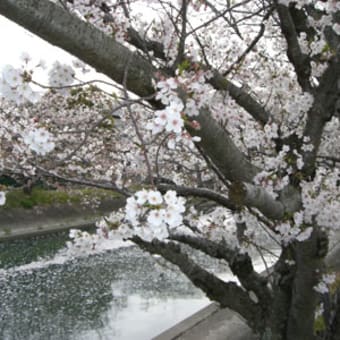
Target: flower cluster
{"points": [[14, 87], [148, 214], [110, 233], [216, 224], [171, 119], [321, 199], [39, 140], [60, 75], [161, 213]]}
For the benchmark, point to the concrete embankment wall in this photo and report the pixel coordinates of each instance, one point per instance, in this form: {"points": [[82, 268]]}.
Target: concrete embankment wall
{"points": [[20, 222]]}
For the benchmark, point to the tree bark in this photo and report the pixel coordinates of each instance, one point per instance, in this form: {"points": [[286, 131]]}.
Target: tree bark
{"points": [[309, 268]]}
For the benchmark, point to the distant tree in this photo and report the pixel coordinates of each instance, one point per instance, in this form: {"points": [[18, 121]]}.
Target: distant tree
{"points": [[233, 102]]}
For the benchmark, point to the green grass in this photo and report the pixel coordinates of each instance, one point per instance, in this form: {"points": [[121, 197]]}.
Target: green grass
{"points": [[16, 198]]}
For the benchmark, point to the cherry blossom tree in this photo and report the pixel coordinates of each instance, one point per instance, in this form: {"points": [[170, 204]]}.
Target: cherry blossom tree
{"points": [[230, 103]]}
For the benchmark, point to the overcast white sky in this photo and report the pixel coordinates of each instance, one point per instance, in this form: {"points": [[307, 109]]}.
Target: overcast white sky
{"points": [[14, 40]]}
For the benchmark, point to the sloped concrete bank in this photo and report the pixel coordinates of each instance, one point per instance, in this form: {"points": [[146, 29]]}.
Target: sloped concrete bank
{"points": [[20, 222]]}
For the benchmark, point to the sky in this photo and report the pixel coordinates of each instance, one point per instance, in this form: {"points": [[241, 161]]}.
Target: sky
{"points": [[15, 40]]}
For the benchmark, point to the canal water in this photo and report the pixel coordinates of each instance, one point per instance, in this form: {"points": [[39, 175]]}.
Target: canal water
{"points": [[122, 293]]}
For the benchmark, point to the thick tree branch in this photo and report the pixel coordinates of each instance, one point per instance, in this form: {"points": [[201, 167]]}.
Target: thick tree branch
{"points": [[240, 264], [146, 45], [228, 294], [335, 327], [300, 19], [282, 278], [199, 192], [183, 35], [325, 99], [242, 98], [245, 194], [218, 81], [134, 38], [309, 267], [299, 60], [222, 151]]}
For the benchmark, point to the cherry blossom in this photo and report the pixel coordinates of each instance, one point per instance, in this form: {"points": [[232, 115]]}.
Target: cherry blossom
{"points": [[156, 218], [61, 75], [11, 76], [154, 197], [152, 211], [15, 87], [39, 140]]}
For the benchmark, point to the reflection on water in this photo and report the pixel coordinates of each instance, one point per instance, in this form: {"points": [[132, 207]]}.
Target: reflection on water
{"points": [[144, 318], [122, 294]]}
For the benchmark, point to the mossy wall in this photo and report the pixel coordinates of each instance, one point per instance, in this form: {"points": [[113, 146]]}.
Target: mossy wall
{"points": [[17, 198], [44, 211]]}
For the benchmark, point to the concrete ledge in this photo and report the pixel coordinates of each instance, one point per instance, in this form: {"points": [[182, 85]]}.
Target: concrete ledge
{"points": [[188, 323], [210, 323], [20, 222]]}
